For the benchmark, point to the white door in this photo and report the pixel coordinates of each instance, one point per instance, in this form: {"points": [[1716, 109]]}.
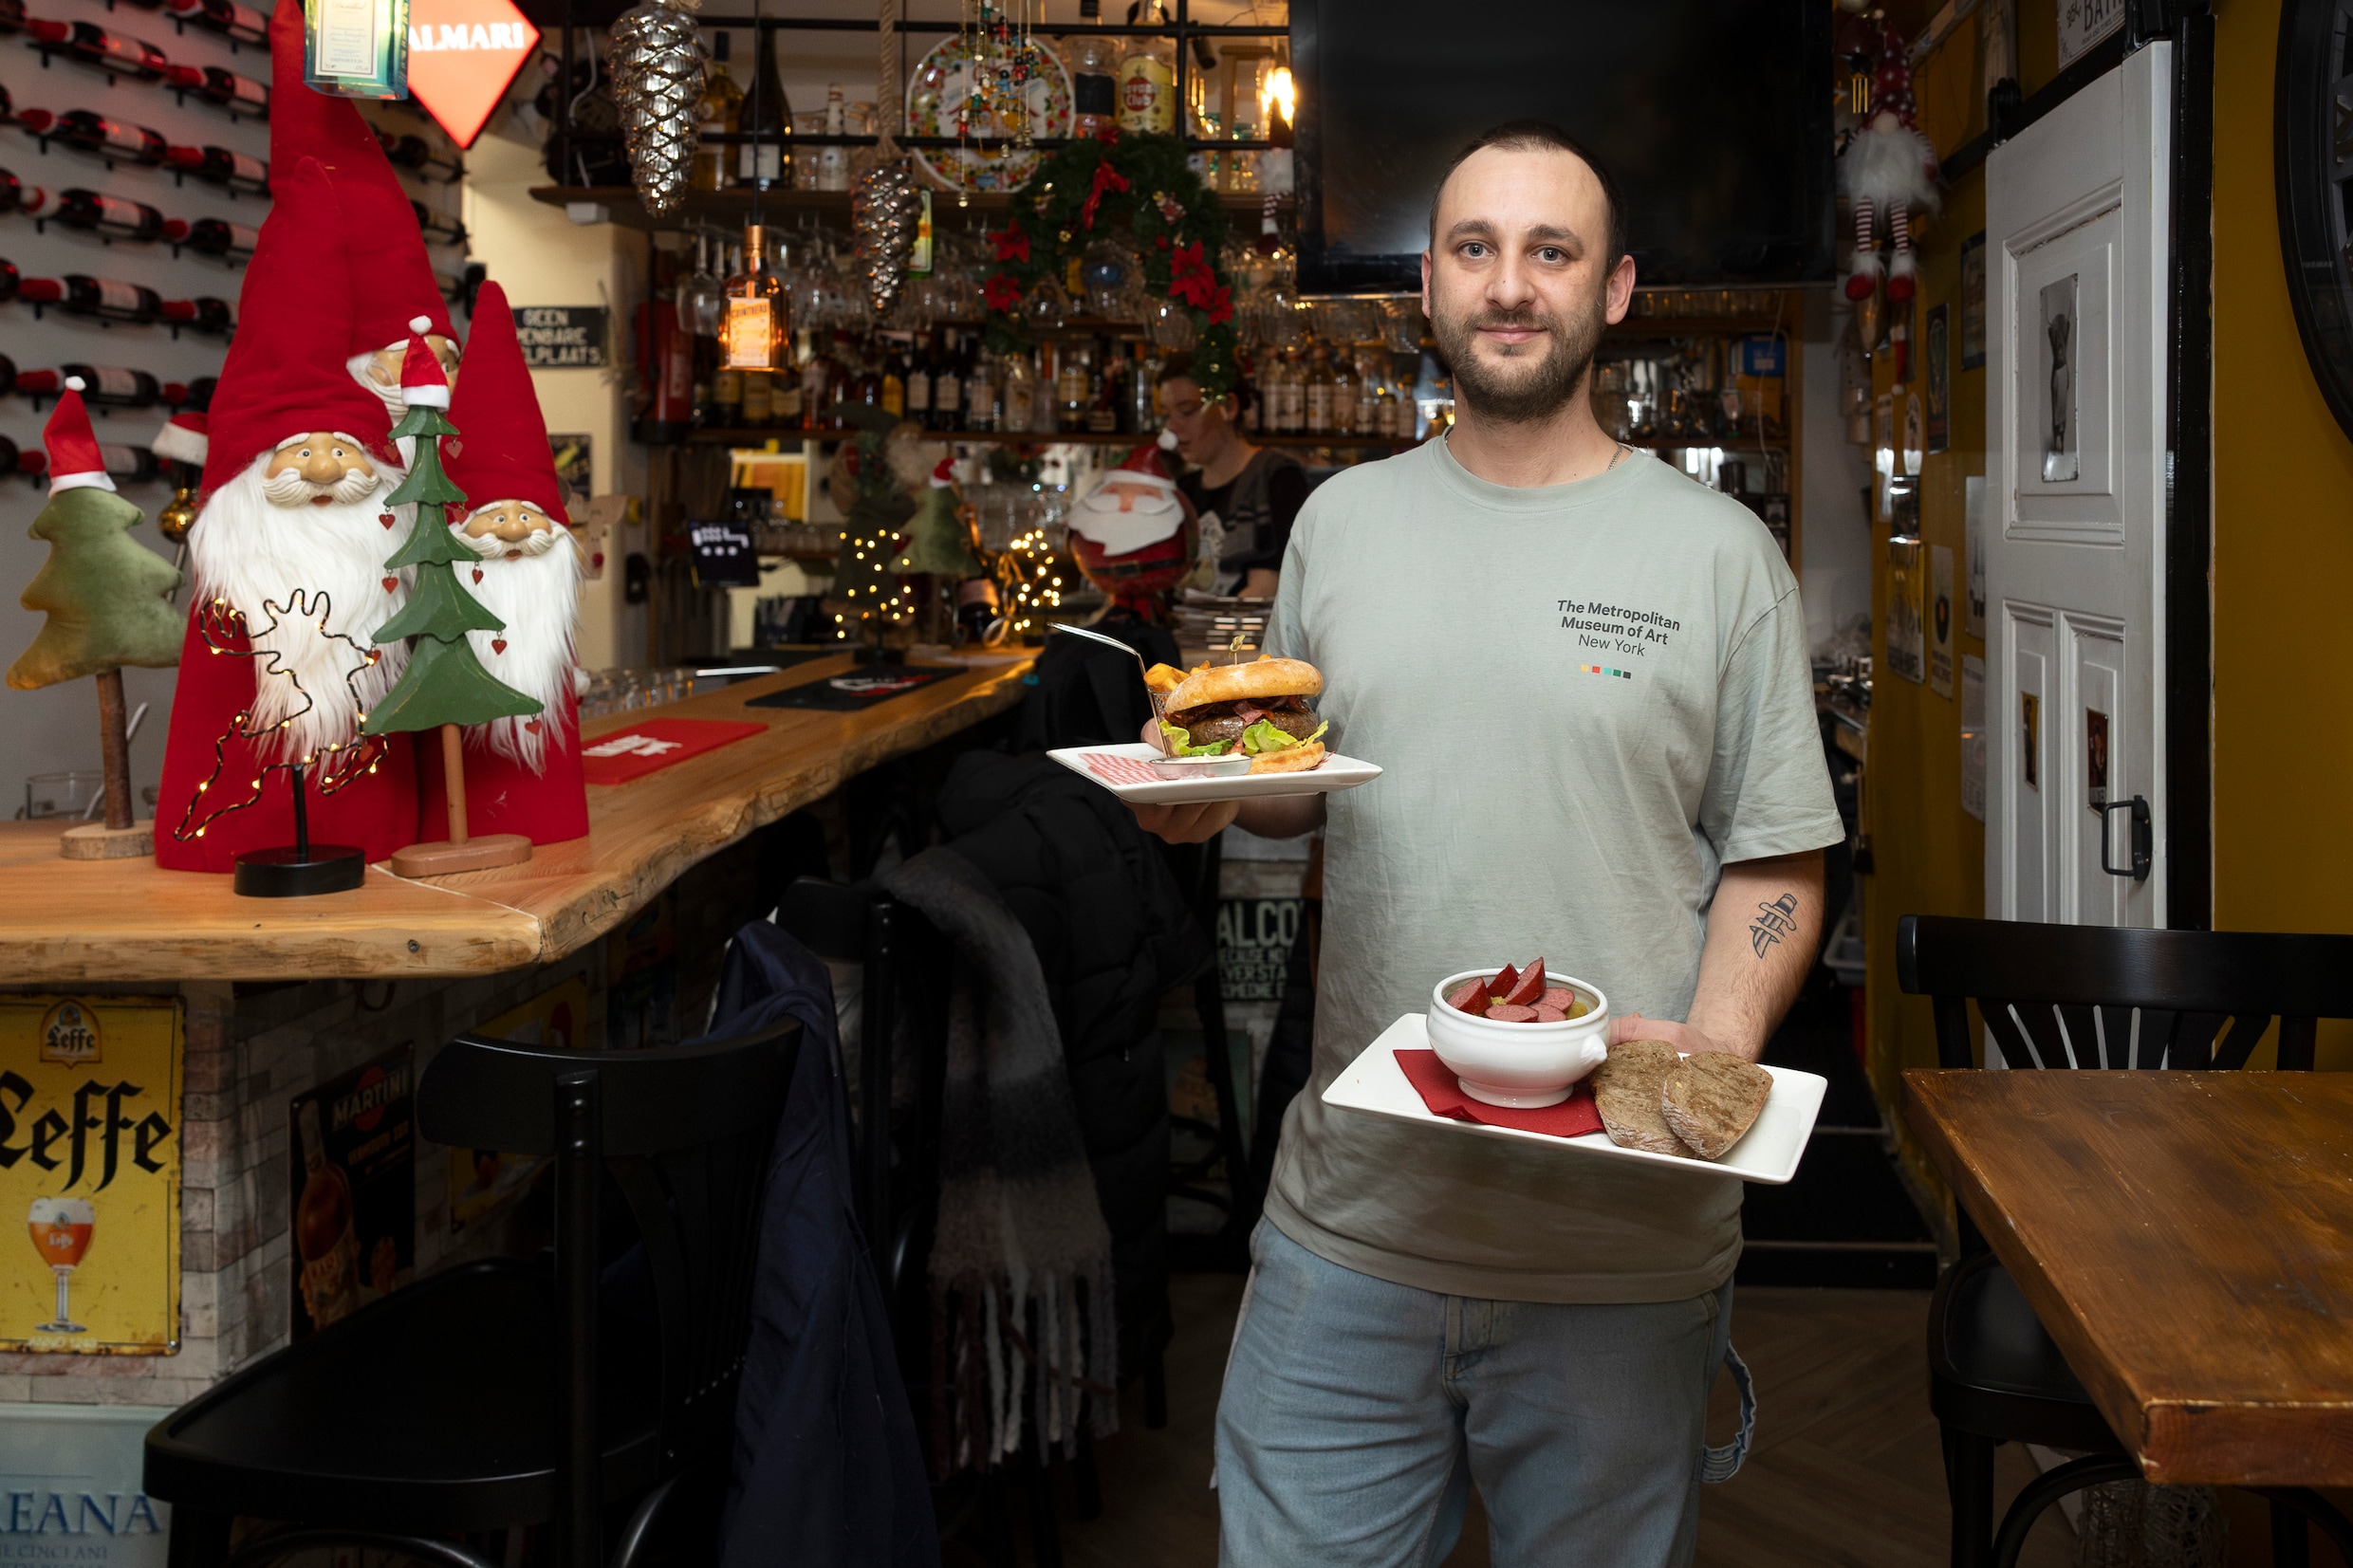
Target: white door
{"points": [[2076, 225]]}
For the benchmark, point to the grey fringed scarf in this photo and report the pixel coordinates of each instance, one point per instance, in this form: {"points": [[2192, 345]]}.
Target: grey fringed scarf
{"points": [[1020, 1227]]}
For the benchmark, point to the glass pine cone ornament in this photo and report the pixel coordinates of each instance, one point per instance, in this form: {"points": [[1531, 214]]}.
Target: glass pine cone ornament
{"points": [[884, 210], [656, 67]]}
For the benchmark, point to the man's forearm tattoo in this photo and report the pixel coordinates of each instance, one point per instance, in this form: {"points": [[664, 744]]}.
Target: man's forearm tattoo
{"points": [[1773, 921]]}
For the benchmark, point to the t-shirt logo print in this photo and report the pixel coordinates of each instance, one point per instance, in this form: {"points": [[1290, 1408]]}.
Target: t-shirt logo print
{"points": [[1615, 632]]}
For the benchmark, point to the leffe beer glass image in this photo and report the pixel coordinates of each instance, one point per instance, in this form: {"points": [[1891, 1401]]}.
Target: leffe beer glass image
{"points": [[61, 1233]]}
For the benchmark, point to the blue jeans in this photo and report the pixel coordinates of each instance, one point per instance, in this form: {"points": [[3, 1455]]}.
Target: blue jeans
{"points": [[1357, 1413]]}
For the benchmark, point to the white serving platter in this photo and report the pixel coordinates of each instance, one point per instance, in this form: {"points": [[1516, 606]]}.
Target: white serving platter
{"points": [[1122, 769], [1768, 1155]]}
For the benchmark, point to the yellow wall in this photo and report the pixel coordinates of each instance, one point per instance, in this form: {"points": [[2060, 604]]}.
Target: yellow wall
{"points": [[2283, 550]]}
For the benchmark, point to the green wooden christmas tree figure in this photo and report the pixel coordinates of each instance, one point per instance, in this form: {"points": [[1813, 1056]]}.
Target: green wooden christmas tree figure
{"points": [[939, 555], [874, 505], [108, 601], [445, 686]]}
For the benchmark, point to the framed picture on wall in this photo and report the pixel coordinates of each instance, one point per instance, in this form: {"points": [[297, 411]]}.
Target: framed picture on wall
{"points": [[1973, 301], [1936, 351]]}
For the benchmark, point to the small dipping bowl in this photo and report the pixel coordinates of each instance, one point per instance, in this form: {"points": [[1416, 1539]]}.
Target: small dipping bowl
{"points": [[1199, 768], [1521, 1065]]}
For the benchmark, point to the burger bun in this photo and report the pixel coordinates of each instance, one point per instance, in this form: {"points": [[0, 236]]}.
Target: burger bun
{"points": [[1263, 678], [1291, 759]]}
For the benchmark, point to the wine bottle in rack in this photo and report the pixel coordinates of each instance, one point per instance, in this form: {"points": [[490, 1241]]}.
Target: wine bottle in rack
{"points": [[107, 386], [131, 465], [78, 294], [17, 196], [12, 17], [92, 45], [224, 90], [114, 218], [213, 237], [15, 460], [8, 375], [86, 132], [11, 280], [212, 317], [439, 228], [416, 155], [173, 394], [238, 24], [222, 166]]}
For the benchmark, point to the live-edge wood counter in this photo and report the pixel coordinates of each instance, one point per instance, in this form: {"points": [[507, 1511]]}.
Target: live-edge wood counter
{"points": [[85, 921]]}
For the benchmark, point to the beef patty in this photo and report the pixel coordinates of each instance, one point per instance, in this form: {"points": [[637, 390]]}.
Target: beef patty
{"points": [[1222, 721]]}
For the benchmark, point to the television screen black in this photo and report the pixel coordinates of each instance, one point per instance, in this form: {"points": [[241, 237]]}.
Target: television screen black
{"points": [[1714, 115]]}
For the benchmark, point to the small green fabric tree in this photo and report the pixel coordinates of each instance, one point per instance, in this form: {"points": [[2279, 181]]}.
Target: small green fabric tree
{"points": [[108, 602]]}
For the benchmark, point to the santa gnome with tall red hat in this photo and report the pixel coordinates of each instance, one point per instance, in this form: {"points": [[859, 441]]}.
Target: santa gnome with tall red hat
{"points": [[523, 775], [1888, 170], [298, 464], [391, 271], [1134, 533]]}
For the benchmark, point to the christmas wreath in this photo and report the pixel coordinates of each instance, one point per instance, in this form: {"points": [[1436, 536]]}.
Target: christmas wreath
{"points": [[1091, 185]]}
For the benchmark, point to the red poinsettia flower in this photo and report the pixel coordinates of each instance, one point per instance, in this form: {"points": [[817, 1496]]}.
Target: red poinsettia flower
{"points": [[1221, 307], [1012, 245], [1001, 292], [1108, 135]]}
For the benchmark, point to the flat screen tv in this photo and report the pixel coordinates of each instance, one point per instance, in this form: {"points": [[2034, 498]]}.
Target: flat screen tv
{"points": [[1714, 115]]}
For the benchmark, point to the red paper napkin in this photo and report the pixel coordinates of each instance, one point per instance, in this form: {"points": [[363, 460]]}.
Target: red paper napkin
{"points": [[631, 753], [1440, 1090]]}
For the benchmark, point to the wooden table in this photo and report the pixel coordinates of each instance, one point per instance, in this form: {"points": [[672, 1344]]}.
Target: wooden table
{"points": [[2187, 1239], [80, 921]]}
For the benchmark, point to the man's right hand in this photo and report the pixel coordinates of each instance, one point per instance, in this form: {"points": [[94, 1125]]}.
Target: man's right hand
{"points": [[1187, 824]]}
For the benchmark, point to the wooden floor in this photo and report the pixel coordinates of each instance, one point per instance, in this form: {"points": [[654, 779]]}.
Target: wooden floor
{"points": [[1845, 1469]]}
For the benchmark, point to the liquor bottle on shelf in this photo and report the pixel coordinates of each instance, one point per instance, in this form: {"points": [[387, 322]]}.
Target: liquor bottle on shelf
{"points": [[1102, 412], [221, 166], [1094, 63], [114, 218], [439, 228], [726, 394], [894, 371], [224, 90], [238, 24], [17, 196], [78, 294], [866, 382], [1319, 390], [1148, 77], [764, 164], [921, 371], [719, 113], [757, 408], [1019, 394], [417, 154], [811, 363], [92, 45], [756, 330], [212, 316], [833, 163], [785, 393], [107, 386], [1343, 418], [213, 237], [1144, 416], [1074, 385], [131, 465], [85, 131]]}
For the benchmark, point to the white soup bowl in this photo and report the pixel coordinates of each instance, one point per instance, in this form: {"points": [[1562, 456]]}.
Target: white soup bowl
{"points": [[1521, 1065]]}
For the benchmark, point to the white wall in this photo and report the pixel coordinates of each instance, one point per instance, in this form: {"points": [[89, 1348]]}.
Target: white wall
{"points": [[1837, 551]]}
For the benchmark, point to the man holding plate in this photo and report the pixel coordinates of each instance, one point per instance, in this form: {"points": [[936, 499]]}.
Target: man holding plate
{"points": [[1585, 677]]}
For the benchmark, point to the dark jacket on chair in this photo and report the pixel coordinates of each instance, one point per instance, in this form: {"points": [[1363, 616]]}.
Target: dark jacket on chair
{"points": [[827, 1467], [1112, 933]]}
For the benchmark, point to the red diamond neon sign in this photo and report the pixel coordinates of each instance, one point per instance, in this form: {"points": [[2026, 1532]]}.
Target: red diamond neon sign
{"points": [[462, 54]]}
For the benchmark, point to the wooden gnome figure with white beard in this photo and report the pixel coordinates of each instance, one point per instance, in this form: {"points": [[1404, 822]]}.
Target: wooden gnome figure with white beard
{"points": [[1888, 174], [523, 774]]}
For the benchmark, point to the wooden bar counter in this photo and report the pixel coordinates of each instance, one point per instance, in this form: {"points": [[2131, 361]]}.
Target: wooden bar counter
{"points": [[296, 1030]]}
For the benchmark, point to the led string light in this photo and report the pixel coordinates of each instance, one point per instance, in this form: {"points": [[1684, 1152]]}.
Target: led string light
{"points": [[1030, 577], [342, 763]]}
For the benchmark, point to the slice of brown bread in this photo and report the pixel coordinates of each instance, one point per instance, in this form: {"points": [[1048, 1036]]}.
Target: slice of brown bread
{"points": [[1712, 1099], [1629, 1089]]}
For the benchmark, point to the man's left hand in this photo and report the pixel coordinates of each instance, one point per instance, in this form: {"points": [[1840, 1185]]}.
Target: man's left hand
{"points": [[1682, 1037]]}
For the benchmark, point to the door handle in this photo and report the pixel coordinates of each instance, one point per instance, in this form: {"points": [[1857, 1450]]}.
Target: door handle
{"points": [[2143, 839]]}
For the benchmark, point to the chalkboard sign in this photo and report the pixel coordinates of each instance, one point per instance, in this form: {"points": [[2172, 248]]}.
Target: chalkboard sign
{"points": [[562, 337], [724, 557]]}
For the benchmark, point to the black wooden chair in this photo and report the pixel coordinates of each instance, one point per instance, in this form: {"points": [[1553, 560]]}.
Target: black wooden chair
{"points": [[492, 1395], [2089, 997]]}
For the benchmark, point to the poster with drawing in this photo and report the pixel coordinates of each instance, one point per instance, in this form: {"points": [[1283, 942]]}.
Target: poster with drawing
{"points": [[1941, 620], [2060, 347]]}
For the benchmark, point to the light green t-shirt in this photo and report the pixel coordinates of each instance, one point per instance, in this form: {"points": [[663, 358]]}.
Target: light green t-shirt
{"points": [[1587, 698]]}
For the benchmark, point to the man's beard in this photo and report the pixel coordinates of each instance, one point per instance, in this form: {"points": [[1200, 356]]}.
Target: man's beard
{"points": [[1520, 390], [251, 552], [538, 598]]}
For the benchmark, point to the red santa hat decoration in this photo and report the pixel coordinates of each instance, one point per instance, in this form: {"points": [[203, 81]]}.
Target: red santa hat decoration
{"points": [[502, 452], [75, 463], [183, 439], [423, 383], [285, 376]]}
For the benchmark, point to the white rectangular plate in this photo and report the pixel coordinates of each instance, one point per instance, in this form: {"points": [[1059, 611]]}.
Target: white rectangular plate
{"points": [[1337, 773], [1768, 1155]]}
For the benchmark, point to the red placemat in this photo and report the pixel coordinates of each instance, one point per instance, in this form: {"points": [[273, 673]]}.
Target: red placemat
{"points": [[642, 748], [1440, 1090]]}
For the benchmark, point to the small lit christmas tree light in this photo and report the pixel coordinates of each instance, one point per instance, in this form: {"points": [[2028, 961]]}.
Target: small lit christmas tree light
{"points": [[1029, 579]]}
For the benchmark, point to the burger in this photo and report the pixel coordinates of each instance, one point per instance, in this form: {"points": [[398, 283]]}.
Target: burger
{"points": [[1259, 709]]}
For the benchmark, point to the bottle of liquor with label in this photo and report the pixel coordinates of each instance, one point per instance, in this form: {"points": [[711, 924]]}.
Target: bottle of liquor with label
{"points": [[1094, 64], [893, 368], [224, 90], [108, 386], [78, 294], [764, 164], [212, 317], [1020, 392], [1343, 395], [222, 166], [94, 46], [1148, 77], [813, 362], [833, 163], [323, 1230], [96, 213], [240, 23], [921, 366], [755, 331], [719, 114], [85, 131], [213, 237], [17, 196]]}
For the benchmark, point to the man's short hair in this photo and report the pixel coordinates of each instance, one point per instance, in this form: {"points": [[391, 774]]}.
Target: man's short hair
{"points": [[1527, 136]]}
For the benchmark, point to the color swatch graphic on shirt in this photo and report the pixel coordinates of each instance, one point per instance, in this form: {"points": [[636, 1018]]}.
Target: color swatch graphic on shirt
{"points": [[1606, 670]]}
